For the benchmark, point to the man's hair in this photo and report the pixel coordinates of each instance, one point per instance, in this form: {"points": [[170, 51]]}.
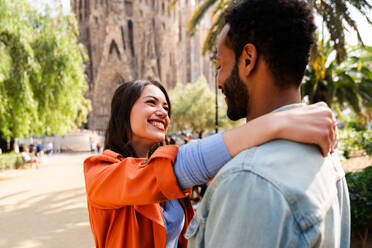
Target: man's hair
{"points": [[282, 31]]}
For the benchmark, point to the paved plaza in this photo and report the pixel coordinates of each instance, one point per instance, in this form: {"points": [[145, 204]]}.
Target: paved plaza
{"points": [[45, 207]]}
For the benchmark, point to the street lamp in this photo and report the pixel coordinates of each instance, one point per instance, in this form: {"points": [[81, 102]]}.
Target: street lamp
{"points": [[213, 58]]}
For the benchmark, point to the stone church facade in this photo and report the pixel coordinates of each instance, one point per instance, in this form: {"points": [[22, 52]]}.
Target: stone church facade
{"points": [[137, 39]]}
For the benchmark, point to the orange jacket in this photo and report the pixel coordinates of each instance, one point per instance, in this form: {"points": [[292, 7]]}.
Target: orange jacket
{"points": [[123, 198]]}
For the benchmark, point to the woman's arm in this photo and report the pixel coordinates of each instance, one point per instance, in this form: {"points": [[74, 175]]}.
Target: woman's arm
{"points": [[313, 124], [112, 181], [200, 160]]}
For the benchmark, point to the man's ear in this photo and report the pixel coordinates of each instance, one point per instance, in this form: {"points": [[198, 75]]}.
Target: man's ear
{"points": [[248, 59]]}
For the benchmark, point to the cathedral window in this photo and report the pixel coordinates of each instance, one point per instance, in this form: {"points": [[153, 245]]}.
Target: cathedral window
{"points": [[123, 37], [114, 48], [80, 9], [131, 42], [180, 31], [86, 8], [162, 8]]}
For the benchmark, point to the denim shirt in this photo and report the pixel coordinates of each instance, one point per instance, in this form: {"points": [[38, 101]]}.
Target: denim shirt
{"points": [[279, 194]]}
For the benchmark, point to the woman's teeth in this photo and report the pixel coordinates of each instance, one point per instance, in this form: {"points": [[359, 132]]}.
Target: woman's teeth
{"points": [[158, 124]]}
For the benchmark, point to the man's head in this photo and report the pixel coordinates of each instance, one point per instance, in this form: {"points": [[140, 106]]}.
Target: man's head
{"points": [[263, 42]]}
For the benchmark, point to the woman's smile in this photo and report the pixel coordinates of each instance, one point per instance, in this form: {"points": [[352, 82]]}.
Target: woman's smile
{"points": [[158, 124]]}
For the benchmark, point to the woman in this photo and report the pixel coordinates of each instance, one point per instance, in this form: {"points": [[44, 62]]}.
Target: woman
{"points": [[137, 190]]}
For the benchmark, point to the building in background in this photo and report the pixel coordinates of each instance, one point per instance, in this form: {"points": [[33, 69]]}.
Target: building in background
{"points": [[137, 39]]}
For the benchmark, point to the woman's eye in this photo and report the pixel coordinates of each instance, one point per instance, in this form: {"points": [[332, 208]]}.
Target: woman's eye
{"points": [[166, 109], [151, 101]]}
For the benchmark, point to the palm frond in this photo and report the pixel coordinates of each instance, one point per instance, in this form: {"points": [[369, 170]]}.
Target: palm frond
{"points": [[172, 4], [198, 14], [209, 43]]}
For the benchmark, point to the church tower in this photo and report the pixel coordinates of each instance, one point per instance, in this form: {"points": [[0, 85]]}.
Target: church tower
{"points": [[136, 39]]}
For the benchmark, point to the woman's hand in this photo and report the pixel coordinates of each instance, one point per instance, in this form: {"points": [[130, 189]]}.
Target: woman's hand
{"points": [[314, 124]]}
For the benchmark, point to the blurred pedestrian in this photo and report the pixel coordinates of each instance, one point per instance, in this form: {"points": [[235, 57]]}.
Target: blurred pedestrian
{"points": [[49, 148], [39, 150]]}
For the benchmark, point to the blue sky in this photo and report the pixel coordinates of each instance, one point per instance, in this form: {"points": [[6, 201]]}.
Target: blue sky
{"points": [[364, 28], [40, 3]]}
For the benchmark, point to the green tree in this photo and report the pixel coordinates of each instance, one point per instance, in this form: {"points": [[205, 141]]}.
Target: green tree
{"points": [[42, 74], [348, 85], [360, 188], [193, 108], [335, 15]]}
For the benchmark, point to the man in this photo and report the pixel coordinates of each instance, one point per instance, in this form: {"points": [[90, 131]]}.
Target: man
{"points": [[282, 193]]}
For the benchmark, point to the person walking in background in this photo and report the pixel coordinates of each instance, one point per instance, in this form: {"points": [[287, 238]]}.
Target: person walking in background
{"points": [[39, 150], [49, 148], [281, 193], [137, 190]]}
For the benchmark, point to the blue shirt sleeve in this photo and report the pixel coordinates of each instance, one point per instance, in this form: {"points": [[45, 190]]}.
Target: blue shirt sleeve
{"points": [[199, 160]]}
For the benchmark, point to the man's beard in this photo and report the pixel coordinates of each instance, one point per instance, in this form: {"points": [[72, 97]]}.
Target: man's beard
{"points": [[237, 95]]}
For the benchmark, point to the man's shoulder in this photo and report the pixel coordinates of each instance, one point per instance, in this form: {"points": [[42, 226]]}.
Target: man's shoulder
{"points": [[285, 164], [273, 156], [296, 171]]}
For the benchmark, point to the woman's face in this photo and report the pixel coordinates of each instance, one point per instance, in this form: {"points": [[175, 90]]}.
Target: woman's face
{"points": [[149, 116]]}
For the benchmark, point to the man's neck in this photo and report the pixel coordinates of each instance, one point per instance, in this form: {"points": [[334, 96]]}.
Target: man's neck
{"points": [[271, 100]]}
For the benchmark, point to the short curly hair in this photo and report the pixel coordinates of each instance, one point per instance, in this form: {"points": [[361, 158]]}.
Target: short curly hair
{"points": [[282, 31]]}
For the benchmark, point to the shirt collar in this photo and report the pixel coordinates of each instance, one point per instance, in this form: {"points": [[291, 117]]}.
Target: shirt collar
{"points": [[289, 106]]}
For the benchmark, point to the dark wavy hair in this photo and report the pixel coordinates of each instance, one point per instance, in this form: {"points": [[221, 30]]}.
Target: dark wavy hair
{"points": [[282, 31], [119, 132]]}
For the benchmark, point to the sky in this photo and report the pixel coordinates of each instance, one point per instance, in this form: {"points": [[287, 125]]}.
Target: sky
{"points": [[364, 29]]}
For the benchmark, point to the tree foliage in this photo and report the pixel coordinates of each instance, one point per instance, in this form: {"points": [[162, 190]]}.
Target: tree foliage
{"points": [[335, 14], [360, 188], [193, 108], [42, 74], [345, 85]]}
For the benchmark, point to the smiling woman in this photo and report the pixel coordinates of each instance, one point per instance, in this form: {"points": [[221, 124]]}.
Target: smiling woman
{"points": [[149, 119], [137, 190]]}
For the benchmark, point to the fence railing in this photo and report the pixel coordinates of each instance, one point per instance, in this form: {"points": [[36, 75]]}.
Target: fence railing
{"points": [[10, 162]]}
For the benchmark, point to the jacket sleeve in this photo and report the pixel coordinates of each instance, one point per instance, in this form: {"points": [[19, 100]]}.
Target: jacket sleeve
{"points": [[113, 183]]}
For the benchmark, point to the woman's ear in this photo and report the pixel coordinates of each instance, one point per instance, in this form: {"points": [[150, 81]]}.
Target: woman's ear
{"points": [[248, 59]]}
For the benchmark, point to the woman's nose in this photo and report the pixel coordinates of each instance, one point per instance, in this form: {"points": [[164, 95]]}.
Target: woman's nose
{"points": [[161, 111]]}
